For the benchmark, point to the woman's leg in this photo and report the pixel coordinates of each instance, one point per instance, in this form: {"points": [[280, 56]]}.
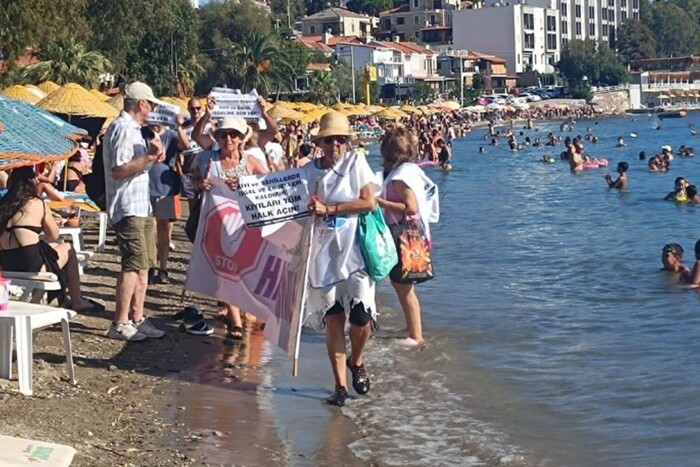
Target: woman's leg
{"points": [[234, 315], [335, 343], [69, 261], [163, 245], [411, 310]]}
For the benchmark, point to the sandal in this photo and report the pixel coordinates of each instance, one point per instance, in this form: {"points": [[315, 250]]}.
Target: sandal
{"points": [[339, 397], [236, 333], [94, 308], [360, 378]]}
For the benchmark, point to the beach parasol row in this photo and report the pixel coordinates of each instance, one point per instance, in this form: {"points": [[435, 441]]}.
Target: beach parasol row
{"points": [[29, 135]]}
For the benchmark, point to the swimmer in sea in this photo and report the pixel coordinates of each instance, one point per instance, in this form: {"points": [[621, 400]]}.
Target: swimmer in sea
{"points": [[679, 191], [621, 142], [548, 158], [621, 182], [671, 258], [692, 194], [642, 156], [575, 154], [693, 280]]}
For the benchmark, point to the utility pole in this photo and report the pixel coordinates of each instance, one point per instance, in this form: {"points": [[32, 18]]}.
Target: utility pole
{"points": [[368, 83], [352, 65], [461, 80]]}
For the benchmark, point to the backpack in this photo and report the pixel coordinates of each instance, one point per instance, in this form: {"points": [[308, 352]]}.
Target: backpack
{"points": [[95, 185]]}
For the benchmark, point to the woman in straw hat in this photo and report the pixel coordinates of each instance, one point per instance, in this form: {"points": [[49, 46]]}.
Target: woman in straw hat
{"points": [[342, 187], [228, 163]]}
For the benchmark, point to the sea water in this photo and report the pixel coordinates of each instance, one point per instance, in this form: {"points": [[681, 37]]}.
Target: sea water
{"points": [[552, 337]]}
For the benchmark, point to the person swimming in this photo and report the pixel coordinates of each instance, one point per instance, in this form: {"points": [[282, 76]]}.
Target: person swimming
{"points": [[692, 194], [621, 182], [679, 191], [672, 261]]}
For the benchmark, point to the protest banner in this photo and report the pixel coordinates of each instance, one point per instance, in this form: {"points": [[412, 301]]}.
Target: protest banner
{"points": [[231, 103], [274, 197], [262, 273], [164, 114]]}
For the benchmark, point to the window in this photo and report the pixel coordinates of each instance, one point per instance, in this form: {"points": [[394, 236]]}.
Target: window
{"points": [[591, 29], [400, 21], [605, 14], [623, 3], [623, 16], [417, 34], [564, 27], [564, 8], [578, 11], [415, 19], [635, 15], [437, 4], [578, 29], [611, 3], [605, 30], [551, 41], [591, 12], [611, 14], [433, 22], [415, 3], [635, 4], [564, 40], [529, 41], [551, 23], [386, 24], [529, 21]]}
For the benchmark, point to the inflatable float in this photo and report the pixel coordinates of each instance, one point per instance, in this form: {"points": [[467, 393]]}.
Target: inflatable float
{"points": [[423, 164], [595, 164]]}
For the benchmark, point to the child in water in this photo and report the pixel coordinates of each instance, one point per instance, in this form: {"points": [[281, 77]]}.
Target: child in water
{"points": [[679, 191], [671, 258], [621, 182]]}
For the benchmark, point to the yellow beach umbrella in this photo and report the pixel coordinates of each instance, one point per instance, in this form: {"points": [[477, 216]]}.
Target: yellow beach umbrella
{"points": [[409, 109], [31, 88], [100, 95], [313, 115], [73, 99], [388, 114], [48, 87], [374, 108], [117, 102], [280, 110], [21, 93]]}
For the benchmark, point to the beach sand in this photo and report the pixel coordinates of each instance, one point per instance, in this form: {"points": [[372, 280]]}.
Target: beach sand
{"points": [[180, 400]]}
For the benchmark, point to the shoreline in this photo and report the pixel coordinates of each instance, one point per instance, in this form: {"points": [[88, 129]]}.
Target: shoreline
{"points": [[180, 400]]}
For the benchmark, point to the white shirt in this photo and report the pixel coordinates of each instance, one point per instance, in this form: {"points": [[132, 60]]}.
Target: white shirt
{"points": [[129, 197], [335, 253], [275, 152], [257, 154]]}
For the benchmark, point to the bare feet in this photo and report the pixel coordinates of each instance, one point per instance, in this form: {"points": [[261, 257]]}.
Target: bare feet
{"points": [[410, 342]]}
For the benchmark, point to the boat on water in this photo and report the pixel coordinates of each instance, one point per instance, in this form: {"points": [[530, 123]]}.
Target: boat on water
{"points": [[672, 114]]}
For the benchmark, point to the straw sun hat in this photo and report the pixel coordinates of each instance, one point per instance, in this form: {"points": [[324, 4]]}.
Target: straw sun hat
{"points": [[234, 123], [333, 124]]}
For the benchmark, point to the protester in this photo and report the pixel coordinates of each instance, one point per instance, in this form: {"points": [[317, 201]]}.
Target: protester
{"points": [[228, 162], [275, 153], [24, 217], [404, 198], [305, 155], [164, 189], [342, 186], [187, 160], [128, 158]]}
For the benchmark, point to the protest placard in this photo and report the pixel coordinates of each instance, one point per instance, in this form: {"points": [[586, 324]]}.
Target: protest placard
{"points": [[274, 197], [231, 103], [262, 273], [164, 114]]}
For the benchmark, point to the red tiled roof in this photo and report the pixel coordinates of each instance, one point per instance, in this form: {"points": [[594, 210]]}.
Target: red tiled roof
{"points": [[318, 67], [406, 47], [490, 58], [27, 59], [314, 43]]}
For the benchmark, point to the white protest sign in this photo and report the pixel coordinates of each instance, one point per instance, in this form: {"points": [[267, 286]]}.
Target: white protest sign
{"points": [[274, 197], [164, 114], [231, 103]]}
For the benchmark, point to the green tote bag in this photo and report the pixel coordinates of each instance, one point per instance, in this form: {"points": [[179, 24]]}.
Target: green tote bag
{"points": [[377, 244]]}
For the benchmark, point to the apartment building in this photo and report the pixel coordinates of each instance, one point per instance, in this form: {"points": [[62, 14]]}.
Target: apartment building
{"points": [[466, 64], [526, 36], [338, 22], [427, 20]]}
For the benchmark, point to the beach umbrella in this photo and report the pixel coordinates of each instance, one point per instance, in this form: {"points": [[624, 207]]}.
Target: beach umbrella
{"points": [[33, 89], [48, 87], [100, 95], [281, 110], [74, 100], [30, 135], [117, 102], [451, 105], [21, 94], [409, 109], [662, 96]]}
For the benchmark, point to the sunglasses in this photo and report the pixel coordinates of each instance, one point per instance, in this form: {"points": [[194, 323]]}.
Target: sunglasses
{"points": [[230, 134], [195, 108], [339, 139]]}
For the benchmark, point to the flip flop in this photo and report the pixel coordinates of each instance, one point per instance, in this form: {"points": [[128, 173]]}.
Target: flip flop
{"points": [[236, 334], [95, 308]]}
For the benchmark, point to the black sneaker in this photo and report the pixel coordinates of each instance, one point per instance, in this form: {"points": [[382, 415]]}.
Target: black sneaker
{"points": [[339, 397], [360, 378], [189, 314], [200, 328], [152, 275], [162, 277]]}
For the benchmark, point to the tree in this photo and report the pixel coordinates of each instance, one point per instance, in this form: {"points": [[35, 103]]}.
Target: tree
{"points": [[264, 64], [342, 74], [66, 61], [146, 43], [635, 41], [590, 61], [423, 93], [323, 88], [370, 7], [676, 32]]}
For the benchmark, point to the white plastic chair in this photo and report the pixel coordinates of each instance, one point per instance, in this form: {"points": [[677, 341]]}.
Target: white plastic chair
{"points": [[22, 320]]}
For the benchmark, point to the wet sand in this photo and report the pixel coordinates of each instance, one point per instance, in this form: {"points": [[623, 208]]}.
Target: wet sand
{"points": [[180, 400]]}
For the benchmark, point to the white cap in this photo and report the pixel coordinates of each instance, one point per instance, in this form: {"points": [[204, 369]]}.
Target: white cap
{"points": [[139, 91], [666, 147]]}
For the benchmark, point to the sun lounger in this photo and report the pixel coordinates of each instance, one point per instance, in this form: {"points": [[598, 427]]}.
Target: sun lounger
{"points": [[34, 284], [17, 452]]}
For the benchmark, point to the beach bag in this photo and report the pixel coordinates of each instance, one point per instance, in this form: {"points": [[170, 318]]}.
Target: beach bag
{"points": [[415, 263], [377, 244], [192, 223]]}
